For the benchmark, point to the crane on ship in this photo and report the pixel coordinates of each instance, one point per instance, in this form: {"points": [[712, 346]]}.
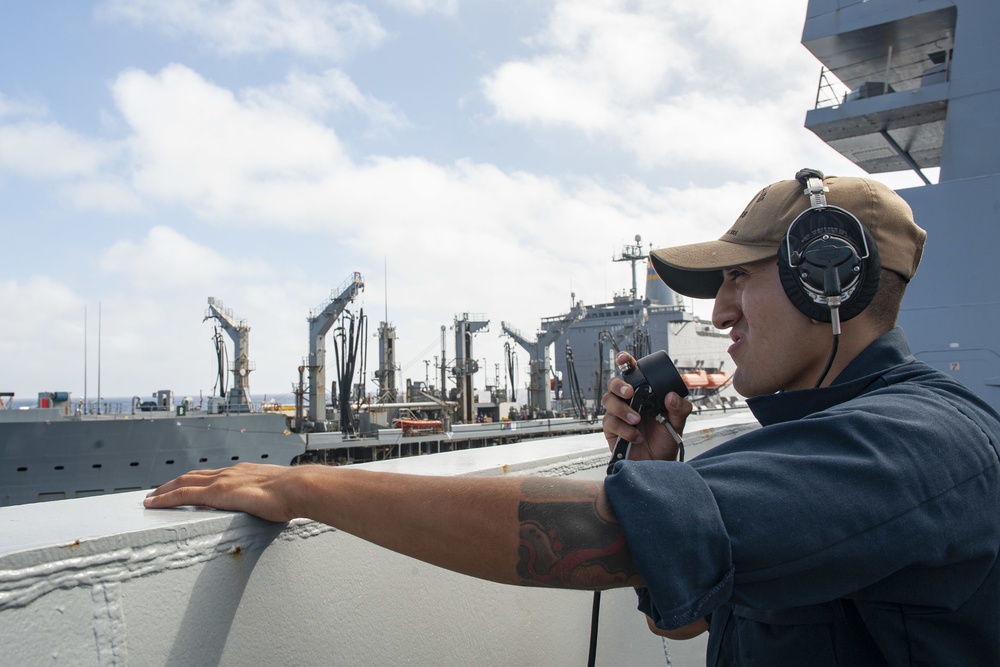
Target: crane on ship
{"points": [[539, 360], [321, 320], [237, 399]]}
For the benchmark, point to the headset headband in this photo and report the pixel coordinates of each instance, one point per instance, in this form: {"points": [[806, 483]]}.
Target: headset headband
{"points": [[816, 191]]}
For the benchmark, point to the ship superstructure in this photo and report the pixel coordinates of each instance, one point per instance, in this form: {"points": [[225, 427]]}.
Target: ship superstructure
{"points": [[915, 84], [586, 349]]}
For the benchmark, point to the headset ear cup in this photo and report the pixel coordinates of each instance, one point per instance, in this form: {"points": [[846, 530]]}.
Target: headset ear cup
{"points": [[871, 271], [807, 228], [796, 291]]}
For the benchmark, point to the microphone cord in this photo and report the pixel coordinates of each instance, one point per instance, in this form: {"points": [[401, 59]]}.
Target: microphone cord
{"points": [[594, 614], [829, 362], [835, 324], [596, 609]]}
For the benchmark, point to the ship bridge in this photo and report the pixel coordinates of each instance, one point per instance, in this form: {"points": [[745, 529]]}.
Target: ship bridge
{"points": [[883, 93]]}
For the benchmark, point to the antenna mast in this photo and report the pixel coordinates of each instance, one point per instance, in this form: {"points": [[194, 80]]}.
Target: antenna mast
{"points": [[633, 254]]}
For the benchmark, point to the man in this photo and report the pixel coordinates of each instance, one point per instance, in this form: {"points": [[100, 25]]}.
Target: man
{"points": [[856, 527]]}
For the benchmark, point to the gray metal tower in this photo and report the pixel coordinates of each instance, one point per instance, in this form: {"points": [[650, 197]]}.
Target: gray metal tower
{"points": [[320, 322], [540, 362], [633, 254], [239, 331], [465, 364], [385, 376]]}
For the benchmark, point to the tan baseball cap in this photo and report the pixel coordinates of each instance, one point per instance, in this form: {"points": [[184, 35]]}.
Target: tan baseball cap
{"points": [[696, 270]]}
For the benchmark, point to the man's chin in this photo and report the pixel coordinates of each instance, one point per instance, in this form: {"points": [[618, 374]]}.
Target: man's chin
{"points": [[744, 388]]}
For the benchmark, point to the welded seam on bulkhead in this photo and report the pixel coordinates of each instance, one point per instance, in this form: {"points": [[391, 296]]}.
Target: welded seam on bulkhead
{"points": [[21, 586], [110, 635]]}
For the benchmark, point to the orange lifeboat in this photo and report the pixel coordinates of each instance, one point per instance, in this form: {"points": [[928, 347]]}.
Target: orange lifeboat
{"points": [[409, 425], [718, 379], [695, 379]]}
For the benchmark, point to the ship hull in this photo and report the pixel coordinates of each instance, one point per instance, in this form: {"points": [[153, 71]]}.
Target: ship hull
{"points": [[69, 457]]}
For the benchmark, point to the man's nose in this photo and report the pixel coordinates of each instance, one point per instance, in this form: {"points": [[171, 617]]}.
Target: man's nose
{"points": [[726, 310]]}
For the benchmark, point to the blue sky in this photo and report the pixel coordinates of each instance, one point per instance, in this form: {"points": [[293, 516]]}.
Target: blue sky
{"points": [[463, 155]]}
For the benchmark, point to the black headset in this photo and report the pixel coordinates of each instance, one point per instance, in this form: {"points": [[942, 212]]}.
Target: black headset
{"points": [[828, 262]]}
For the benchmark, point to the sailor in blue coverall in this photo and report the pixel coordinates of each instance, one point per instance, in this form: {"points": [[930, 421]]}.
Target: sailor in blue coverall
{"points": [[860, 524]]}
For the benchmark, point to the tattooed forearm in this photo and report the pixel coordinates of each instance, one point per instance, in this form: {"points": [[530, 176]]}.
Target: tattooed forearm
{"points": [[571, 539]]}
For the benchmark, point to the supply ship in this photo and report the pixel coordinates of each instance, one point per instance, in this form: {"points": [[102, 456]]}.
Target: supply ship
{"points": [[59, 449], [904, 85]]}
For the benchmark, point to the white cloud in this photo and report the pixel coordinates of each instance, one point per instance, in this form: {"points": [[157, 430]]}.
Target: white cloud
{"points": [[196, 143], [446, 7], [106, 192], [634, 49], [81, 168], [154, 312], [547, 92], [668, 81], [313, 28], [252, 160], [318, 95], [595, 60], [44, 149], [702, 128], [10, 107], [49, 315], [165, 260], [192, 142]]}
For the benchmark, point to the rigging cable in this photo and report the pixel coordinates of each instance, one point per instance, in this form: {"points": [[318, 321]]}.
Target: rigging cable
{"points": [[511, 370], [576, 395], [603, 336], [221, 355]]}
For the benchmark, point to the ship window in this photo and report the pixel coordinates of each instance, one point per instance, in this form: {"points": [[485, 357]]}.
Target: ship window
{"points": [[170, 462], [22, 470], [55, 495], [89, 492], [96, 466], [235, 458], [134, 464], [202, 460], [60, 468], [264, 456]]}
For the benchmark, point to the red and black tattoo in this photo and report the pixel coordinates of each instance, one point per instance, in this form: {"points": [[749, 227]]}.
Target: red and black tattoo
{"points": [[567, 540]]}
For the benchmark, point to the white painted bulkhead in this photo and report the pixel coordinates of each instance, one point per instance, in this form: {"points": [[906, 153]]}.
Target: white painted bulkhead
{"points": [[103, 581]]}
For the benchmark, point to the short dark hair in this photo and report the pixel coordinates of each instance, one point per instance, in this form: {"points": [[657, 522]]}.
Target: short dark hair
{"points": [[884, 308]]}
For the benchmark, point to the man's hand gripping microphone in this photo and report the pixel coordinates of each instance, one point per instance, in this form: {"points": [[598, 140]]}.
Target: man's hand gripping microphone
{"points": [[653, 377]]}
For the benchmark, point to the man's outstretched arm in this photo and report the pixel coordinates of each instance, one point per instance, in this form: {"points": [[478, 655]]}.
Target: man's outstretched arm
{"points": [[535, 531]]}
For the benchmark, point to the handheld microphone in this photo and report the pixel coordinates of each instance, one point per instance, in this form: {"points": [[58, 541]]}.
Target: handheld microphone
{"points": [[653, 377]]}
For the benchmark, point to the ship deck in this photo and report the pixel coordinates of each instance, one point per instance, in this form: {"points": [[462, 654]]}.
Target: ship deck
{"points": [[102, 580]]}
